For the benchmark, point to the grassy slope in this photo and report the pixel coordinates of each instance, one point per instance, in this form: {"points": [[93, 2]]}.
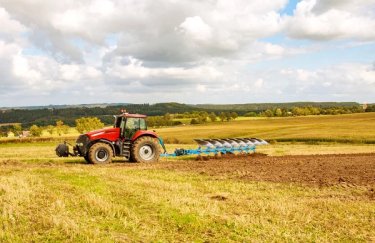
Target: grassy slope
{"points": [[353, 126]]}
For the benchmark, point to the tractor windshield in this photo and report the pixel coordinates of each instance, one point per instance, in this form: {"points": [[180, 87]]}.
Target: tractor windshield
{"points": [[133, 125]]}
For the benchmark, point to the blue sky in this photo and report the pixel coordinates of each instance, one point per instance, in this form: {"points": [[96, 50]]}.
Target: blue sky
{"points": [[289, 7], [149, 51]]}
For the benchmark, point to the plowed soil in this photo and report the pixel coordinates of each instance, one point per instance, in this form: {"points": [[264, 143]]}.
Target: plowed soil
{"points": [[320, 170]]}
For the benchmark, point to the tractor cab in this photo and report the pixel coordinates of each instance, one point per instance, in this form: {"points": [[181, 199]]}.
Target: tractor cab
{"points": [[129, 124]]}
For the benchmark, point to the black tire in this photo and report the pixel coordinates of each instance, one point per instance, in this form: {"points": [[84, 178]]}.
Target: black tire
{"points": [[62, 150], [145, 149], [87, 158], [100, 153]]}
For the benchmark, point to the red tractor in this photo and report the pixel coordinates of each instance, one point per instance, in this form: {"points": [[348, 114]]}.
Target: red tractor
{"points": [[129, 138]]}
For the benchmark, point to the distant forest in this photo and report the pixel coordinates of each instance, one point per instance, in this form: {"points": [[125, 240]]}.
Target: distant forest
{"points": [[259, 107], [49, 116]]}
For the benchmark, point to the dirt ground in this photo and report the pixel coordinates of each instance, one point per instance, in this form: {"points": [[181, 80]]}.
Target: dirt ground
{"points": [[320, 170]]}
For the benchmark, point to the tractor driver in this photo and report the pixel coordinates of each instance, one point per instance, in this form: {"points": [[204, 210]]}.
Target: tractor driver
{"points": [[132, 125]]}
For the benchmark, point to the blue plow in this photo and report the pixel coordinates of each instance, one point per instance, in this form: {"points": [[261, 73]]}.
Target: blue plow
{"points": [[220, 146]]}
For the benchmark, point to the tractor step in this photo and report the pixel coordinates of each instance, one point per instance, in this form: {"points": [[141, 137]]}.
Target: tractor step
{"points": [[126, 147]]}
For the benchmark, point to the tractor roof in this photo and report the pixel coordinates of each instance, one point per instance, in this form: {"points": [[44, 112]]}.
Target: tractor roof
{"points": [[133, 115]]}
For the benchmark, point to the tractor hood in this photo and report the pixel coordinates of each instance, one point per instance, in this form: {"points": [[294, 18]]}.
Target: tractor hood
{"points": [[111, 134]]}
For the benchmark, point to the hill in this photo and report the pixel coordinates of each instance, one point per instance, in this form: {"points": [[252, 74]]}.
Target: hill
{"points": [[50, 114]]}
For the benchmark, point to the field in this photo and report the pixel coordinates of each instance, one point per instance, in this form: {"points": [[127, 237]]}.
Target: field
{"points": [[343, 128], [292, 194]]}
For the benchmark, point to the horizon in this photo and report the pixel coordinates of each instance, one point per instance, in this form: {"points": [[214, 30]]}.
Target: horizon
{"points": [[201, 52], [119, 103]]}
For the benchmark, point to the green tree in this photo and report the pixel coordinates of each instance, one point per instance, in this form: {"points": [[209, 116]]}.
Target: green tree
{"points": [[314, 110], [202, 117], [297, 111], [370, 108], [251, 114], [35, 131], [194, 121], [234, 115], [59, 127], [167, 117], [4, 130], [65, 129], [228, 116], [222, 116], [212, 116], [268, 113], [85, 124], [16, 129], [278, 112], [50, 129]]}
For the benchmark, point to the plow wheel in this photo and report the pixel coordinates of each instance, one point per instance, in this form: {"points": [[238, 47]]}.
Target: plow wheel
{"points": [[145, 149]]}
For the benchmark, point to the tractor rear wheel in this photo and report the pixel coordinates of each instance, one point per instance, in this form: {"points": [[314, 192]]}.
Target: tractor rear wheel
{"points": [[100, 153], [145, 149]]}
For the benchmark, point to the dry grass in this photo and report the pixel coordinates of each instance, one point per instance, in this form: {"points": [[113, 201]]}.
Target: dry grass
{"points": [[135, 203], [354, 127], [45, 198]]}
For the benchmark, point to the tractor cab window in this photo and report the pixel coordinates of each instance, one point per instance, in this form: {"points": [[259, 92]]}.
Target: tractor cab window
{"points": [[132, 125], [129, 126], [119, 121], [142, 124]]}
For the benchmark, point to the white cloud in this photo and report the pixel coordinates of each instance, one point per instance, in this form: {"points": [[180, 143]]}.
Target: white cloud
{"points": [[273, 49], [22, 69], [196, 28], [73, 72], [135, 69], [201, 88], [70, 21], [155, 50], [349, 80], [258, 83], [314, 19], [9, 25]]}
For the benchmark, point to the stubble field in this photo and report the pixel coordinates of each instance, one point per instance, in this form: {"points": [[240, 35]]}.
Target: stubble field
{"points": [[311, 191]]}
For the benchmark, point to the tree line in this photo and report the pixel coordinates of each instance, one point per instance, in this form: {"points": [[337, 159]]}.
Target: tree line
{"points": [[82, 125], [194, 117], [49, 116], [305, 111]]}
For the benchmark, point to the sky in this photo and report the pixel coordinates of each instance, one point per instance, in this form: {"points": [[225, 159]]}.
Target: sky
{"points": [[187, 51]]}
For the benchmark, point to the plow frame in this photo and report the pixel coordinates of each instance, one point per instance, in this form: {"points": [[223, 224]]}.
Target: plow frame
{"points": [[208, 151]]}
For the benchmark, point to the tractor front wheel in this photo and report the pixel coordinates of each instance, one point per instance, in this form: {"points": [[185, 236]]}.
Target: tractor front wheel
{"points": [[145, 149], [100, 153]]}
